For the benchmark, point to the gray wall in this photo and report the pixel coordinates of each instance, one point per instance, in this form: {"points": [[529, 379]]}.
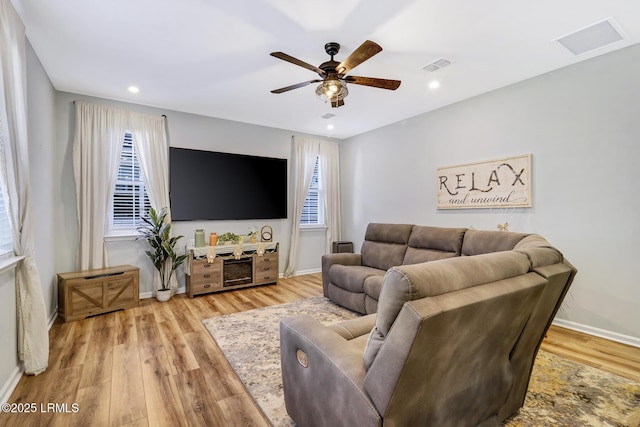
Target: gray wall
{"points": [[582, 125], [188, 131]]}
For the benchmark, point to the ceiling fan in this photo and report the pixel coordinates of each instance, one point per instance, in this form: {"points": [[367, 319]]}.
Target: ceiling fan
{"points": [[334, 78]]}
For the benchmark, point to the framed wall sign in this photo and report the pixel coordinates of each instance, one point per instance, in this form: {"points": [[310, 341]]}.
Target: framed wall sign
{"points": [[497, 183]]}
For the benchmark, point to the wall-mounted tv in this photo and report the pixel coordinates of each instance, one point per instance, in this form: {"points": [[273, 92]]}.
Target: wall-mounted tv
{"points": [[209, 185]]}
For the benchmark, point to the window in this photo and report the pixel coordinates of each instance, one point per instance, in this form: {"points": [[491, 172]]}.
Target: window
{"points": [[130, 199], [312, 212], [6, 235]]}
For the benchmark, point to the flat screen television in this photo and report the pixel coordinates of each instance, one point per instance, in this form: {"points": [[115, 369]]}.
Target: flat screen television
{"points": [[209, 185]]}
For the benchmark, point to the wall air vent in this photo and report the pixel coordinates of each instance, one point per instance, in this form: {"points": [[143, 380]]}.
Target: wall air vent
{"points": [[592, 37], [436, 65]]}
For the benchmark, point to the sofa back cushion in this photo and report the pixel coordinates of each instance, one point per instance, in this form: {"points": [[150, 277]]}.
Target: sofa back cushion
{"points": [[433, 243], [412, 282], [478, 242], [384, 245]]}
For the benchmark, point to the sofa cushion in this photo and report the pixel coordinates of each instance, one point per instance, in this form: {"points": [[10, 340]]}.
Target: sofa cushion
{"points": [[382, 255], [411, 282], [384, 245], [433, 243], [437, 238], [373, 286], [478, 242], [352, 277], [388, 233]]}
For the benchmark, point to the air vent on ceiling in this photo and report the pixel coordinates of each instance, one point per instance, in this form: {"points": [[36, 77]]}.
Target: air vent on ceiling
{"points": [[592, 37], [327, 116], [436, 65]]}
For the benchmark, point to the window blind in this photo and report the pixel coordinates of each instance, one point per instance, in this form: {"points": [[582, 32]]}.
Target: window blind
{"points": [[311, 211], [6, 235], [130, 198]]}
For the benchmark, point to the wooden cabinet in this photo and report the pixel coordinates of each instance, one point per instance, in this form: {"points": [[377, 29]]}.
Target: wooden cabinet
{"points": [[265, 268], [87, 293], [205, 277], [227, 271]]}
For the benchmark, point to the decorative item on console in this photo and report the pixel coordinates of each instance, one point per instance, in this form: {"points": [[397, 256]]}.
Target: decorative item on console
{"points": [[199, 238], [228, 238], [260, 250], [237, 252], [253, 234], [213, 239], [266, 234], [211, 254]]}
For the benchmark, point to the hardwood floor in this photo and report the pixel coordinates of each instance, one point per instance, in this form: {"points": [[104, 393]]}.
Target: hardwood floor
{"points": [[156, 365]]}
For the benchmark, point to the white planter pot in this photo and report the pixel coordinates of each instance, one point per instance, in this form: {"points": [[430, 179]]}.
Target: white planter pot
{"points": [[163, 295]]}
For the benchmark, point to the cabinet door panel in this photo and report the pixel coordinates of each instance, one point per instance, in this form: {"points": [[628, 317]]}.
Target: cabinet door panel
{"points": [[121, 292], [86, 298]]}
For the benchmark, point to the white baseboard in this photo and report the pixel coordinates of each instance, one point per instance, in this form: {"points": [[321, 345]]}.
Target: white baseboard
{"points": [[590, 330], [310, 271], [144, 295], [14, 378], [10, 385]]}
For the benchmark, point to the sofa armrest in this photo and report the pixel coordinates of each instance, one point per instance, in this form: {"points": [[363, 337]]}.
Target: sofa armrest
{"points": [[339, 258], [329, 390]]}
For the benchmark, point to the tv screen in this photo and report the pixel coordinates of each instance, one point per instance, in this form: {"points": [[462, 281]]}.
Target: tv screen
{"points": [[208, 185]]}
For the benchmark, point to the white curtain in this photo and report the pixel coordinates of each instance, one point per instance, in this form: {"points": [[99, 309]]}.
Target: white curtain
{"points": [[152, 147], [33, 336], [305, 151], [96, 152], [330, 183]]}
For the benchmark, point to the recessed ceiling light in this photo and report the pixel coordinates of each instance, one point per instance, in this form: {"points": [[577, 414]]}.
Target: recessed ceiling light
{"points": [[330, 126], [434, 84], [134, 89]]}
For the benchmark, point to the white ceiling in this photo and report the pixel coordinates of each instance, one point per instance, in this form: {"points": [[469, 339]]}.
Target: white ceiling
{"points": [[211, 57]]}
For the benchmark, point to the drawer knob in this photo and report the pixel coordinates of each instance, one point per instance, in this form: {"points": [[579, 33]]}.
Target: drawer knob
{"points": [[266, 268], [207, 285], [206, 276], [207, 265], [266, 277], [266, 260]]}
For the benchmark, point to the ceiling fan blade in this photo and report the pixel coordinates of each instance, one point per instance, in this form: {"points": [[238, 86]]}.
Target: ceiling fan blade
{"points": [[296, 61], [361, 54], [296, 86], [371, 81]]}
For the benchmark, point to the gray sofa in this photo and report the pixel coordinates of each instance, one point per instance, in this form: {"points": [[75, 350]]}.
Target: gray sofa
{"points": [[453, 341], [354, 281]]}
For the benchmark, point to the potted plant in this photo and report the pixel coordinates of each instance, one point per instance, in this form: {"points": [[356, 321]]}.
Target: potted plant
{"points": [[228, 238], [162, 249]]}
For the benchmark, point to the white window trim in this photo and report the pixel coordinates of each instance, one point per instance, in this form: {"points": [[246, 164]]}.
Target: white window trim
{"points": [[9, 262], [313, 227], [124, 235]]}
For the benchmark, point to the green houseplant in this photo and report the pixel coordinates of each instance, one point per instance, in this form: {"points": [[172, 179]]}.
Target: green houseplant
{"points": [[156, 232], [229, 237]]}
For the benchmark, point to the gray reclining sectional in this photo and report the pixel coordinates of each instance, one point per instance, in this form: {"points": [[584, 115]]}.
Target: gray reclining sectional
{"points": [[459, 317]]}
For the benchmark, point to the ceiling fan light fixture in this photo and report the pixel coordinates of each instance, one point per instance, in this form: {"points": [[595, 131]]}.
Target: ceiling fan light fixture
{"points": [[332, 90]]}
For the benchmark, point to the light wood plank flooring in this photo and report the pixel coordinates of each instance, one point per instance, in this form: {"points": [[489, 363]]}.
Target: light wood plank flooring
{"points": [[156, 365]]}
